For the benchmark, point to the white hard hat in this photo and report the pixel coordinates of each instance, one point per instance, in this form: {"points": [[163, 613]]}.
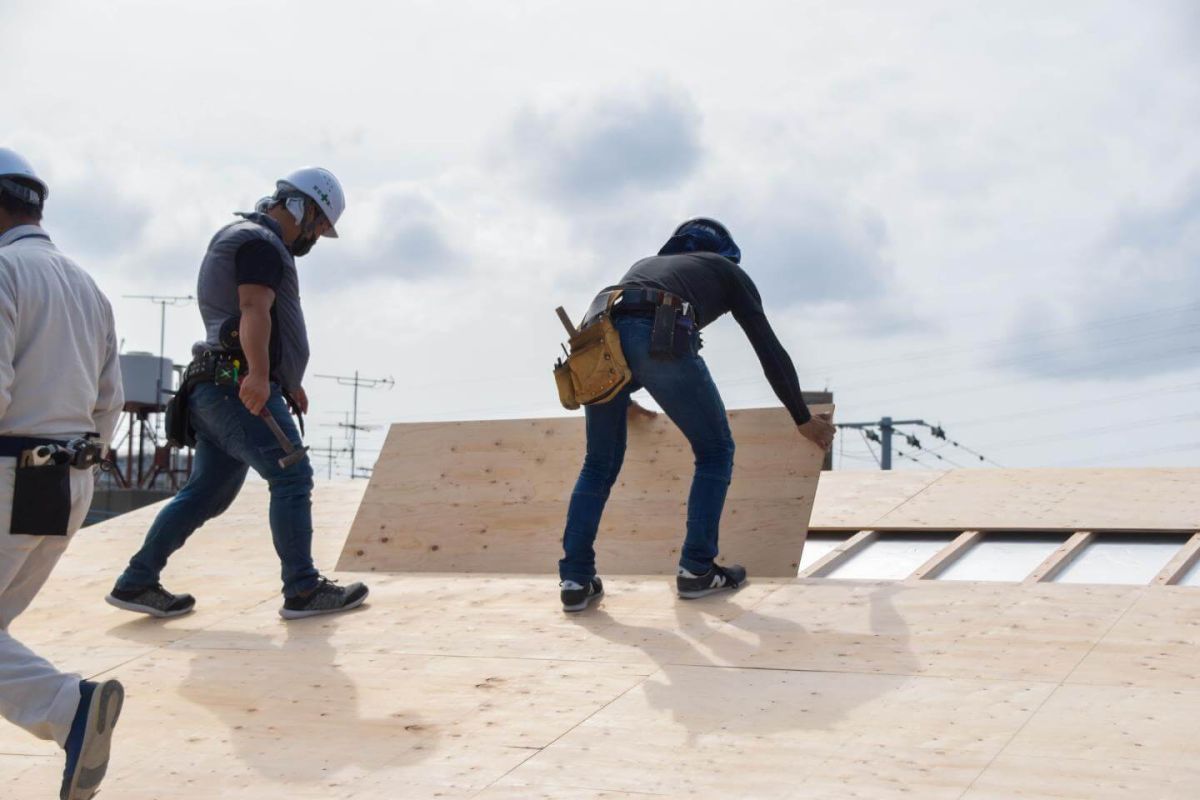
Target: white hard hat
{"points": [[14, 165], [324, 189]]}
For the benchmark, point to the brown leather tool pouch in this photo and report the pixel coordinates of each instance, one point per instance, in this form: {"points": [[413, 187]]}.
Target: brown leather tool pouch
{"points": [[595, 370]]}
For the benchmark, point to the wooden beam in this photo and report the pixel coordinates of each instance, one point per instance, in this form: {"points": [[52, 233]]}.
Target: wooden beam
{"points": [[1057, 561], [840, 554], [946, 556], [1178, 566]]}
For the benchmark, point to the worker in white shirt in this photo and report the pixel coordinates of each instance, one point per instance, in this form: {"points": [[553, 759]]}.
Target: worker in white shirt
{"points": [[60, 398]]}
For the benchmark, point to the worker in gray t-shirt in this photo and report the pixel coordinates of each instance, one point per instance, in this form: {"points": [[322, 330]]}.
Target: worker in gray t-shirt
{"points": [[248, 371]]}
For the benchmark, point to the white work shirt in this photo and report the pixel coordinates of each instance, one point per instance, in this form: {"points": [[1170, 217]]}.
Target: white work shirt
{"points": [[60, 372]]}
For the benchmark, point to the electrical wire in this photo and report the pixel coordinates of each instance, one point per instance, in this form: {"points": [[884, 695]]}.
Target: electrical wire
{"points": [[912, 458], [871, 449]]}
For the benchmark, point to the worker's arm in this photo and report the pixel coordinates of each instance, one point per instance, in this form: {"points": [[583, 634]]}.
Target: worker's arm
{"points": [[255, 302], [777, 365], [110, 395], [8, 336]]}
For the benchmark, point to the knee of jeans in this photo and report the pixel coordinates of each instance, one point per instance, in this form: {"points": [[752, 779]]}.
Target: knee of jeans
{"points": [[296, 478], [716, 459], [603, 468]]}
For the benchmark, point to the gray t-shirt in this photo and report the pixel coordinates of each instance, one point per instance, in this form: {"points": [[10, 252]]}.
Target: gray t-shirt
{"points": [[223, 270]]}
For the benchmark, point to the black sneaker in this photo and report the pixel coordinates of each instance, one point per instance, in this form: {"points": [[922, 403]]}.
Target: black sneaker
{"points": [[153, 600], [715, 580], [326, 598], [90, 739], [576, 597]]}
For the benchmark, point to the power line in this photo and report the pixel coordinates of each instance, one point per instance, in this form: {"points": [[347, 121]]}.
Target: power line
{"points": [[869, 448], [912, 458], [885, 429]]}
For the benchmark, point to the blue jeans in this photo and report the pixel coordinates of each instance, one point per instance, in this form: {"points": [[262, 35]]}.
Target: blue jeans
{"points": [[230, 440], [686, 392]]}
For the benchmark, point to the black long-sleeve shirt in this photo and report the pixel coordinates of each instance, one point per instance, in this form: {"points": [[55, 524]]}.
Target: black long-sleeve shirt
{"points": [[715, 285]]}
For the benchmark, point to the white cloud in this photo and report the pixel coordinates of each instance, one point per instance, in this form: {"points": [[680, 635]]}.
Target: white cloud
{"points": [[593, 150], [902, 181]]}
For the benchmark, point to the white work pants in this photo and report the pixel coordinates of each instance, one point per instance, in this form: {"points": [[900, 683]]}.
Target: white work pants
{"points": [[33, 693]]}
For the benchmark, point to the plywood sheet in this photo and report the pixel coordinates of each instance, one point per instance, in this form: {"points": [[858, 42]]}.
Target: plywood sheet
{"points": [[855, 500], [491, 497], [1063, 499], [1011, 499]]}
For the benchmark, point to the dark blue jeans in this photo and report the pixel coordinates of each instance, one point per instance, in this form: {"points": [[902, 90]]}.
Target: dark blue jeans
{"points": [[686, 392], [230, 440]]}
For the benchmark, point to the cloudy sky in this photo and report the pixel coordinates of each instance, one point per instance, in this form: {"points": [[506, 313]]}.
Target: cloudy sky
{"points": [[980, 214]]}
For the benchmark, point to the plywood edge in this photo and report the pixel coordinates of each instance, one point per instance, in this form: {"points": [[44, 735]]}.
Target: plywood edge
{"points": [[946, 556], [1057, 561], [1179, 565], [839, 554]]}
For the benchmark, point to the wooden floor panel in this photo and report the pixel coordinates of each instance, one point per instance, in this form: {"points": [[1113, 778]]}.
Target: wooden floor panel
{"points": [[478, 686]]}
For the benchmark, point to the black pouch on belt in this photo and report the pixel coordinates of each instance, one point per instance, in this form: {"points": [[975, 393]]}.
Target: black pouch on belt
{"points": [[662, 337], [42, 500]]}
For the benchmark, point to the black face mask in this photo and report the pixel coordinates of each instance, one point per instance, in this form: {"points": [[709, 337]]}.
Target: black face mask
{"points": [[304, 242], [308, 233]]}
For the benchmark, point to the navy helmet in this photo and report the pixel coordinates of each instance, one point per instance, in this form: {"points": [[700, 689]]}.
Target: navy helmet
{"points": [[703, 235]]}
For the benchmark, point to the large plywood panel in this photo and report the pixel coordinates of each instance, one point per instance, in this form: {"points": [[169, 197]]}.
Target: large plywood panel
{"points": [[1065, 499], [1011, 499], [492, 497]]}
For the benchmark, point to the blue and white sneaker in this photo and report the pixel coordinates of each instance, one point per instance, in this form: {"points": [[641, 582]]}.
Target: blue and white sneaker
{"points": [[576, 597], [90, 739], [715, 580]]}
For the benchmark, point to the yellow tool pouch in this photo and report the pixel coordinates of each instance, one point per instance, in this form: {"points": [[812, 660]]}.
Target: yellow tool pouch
{"points": [[595, 370]]}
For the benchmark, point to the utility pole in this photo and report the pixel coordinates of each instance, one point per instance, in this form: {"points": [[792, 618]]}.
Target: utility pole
{"points": [[162, 301], [887, 427], [366, 383]]}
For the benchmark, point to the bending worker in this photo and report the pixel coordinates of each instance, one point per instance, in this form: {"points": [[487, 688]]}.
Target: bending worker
{"points": [[60, 399], [250, 367], [697, 277]]}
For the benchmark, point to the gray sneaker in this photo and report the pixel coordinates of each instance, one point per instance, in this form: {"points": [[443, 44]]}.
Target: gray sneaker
{"points": [[326, 598], [716, 579], [153, 600]]}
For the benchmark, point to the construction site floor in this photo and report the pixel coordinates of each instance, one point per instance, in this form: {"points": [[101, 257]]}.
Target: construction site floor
{"points": [[477, 686]]}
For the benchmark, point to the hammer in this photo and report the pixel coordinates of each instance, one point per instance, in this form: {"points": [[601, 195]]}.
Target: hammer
{"points": [[291, 454]]}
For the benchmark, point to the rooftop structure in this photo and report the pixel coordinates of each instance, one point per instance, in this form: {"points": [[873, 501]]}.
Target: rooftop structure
{"points": [[475, 685]]}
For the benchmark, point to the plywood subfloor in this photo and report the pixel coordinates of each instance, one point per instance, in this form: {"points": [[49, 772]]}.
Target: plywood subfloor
{"points": [[1011, 499], [479, 687], [492, 497]]}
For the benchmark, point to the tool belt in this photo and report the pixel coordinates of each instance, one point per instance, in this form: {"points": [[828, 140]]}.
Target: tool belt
{"points": [[595, 369], [224, 368], [220, 367], [41, 503]]}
